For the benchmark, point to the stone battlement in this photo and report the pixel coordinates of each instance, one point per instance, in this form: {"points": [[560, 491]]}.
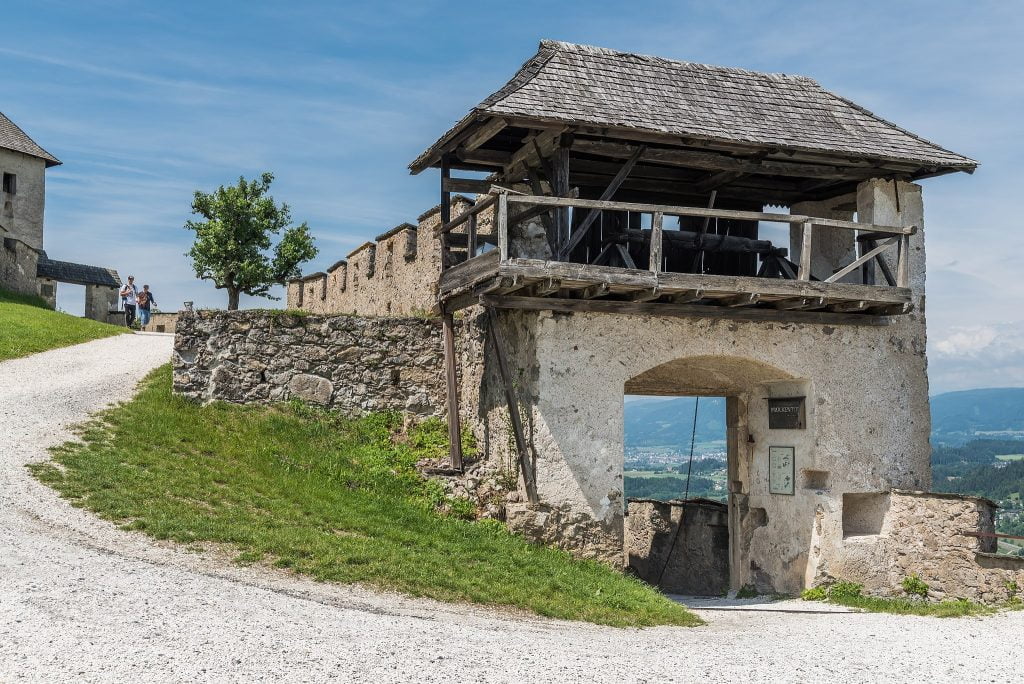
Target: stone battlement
{"points": [[395, 274]]}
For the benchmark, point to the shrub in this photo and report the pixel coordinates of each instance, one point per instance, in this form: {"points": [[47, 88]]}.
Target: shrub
{"points": [[747, 591], [462, 508], [915, 586], [814, 594], [845, 590]]}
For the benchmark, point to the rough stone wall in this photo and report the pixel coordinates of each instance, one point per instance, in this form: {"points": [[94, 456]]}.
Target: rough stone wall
{"points": [[163, 322], [915, 533], [681, 548], [18, 266], [352, 364], [21, 213], [100, 300]]}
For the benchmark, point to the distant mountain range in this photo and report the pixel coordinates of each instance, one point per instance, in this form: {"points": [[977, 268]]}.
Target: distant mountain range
{"points": [[668, 421], [957, 417]]}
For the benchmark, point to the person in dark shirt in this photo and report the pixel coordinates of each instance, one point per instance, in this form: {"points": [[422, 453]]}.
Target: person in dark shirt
{"points": [[146, 302]]}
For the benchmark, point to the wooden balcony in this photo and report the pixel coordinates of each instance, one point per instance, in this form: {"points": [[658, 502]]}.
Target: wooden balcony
{"points": [[780, 289]]}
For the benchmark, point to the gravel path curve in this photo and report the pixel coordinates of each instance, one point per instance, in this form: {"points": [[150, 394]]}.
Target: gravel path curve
{"points": [[81, 600]]}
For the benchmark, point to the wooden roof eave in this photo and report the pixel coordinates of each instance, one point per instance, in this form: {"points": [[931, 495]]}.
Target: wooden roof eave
{"points": [[477, 118]]}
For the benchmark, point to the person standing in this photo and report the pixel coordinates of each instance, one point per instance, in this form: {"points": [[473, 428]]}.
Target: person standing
{"points": [[146, 301], [129, 295]]}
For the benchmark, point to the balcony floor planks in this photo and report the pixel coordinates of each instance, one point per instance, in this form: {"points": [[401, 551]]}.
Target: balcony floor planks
{"points": [[485, 276]]}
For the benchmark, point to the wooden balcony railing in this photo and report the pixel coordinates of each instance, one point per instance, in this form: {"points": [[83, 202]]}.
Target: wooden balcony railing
{"points": [[790, 287]]}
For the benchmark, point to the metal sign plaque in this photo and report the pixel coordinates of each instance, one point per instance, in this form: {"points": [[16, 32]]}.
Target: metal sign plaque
{"points": [[781, 469], [786, 413]]}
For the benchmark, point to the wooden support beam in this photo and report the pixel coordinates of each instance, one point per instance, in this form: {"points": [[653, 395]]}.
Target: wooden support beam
{"points": [[856, 264], [545, 218], [891, 310], [452, 384], [687, 297], [845, 307], [712, 161], [902, 263], [673, 310], [745, 299], [534, 212], [594, 291], [447, 226], [471, 185], [471, 238], [484, 133], [804, 272], [654, 264], [522, 449], [560, 187], [490, 158], [646, 295], [799, 303], [609, 192], [501, 226], [546, 287], [717, 180], [446, 212]]}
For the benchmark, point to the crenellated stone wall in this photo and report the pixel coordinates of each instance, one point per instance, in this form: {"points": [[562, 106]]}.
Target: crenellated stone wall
{"points": [[349, 363], [394, 275]]}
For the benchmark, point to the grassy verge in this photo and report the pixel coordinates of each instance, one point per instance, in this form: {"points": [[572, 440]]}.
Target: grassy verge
{"points": [[335, 499], [28, 326], [849, 594]]}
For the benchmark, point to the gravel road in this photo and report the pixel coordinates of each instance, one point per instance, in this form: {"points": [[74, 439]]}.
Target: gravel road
{"points": [[81, 600]]}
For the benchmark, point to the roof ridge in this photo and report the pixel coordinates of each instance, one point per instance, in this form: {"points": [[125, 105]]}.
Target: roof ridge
{"points": [[610, 52], [537, 61]]}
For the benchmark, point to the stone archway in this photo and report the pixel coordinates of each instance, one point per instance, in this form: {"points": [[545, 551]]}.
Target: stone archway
{"points": [[658, 529]]}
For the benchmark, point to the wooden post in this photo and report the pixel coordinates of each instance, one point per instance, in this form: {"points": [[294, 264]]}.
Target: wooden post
{"points": [[656, 240], [903, 264], [560, 164], [501, 226], [805, 251], [446, 211], [452, 381], [525, 461], [471, 238]]}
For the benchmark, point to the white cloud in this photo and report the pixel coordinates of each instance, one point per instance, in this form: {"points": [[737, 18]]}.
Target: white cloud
{"points": [[966, 341]]}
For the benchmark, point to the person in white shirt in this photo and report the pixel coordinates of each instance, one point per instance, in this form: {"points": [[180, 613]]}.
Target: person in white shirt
{"points": [[129, 295]]}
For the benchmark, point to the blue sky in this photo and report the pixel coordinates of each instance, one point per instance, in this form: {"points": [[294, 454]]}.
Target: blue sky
{"points": [[145, 102]]}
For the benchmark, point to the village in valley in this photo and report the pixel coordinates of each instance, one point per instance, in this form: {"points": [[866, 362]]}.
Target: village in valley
{"points": [[327, 352]]}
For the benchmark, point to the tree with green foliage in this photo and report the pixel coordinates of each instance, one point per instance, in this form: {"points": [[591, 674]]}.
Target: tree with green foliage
{"points": [[234, 244]]}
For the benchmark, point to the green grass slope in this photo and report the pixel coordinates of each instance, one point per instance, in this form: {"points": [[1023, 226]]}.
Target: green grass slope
{"points": [[335, 499], [28, 326]]}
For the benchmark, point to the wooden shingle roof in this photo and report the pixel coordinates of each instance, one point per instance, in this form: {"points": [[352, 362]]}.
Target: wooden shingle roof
{"points": [[13, 138], [78, 274], [597, 87]]}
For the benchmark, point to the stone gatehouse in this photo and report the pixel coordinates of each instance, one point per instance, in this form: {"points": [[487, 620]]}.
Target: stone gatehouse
{"points": [[627, 241], [25, 267]]}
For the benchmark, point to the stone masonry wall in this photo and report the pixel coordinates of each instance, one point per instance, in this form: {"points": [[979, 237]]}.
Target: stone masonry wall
{"points": [[352, 364], [18, 266], [906, 533], [394, 275]]}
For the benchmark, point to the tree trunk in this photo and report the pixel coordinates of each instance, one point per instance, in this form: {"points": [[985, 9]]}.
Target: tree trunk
{"points": [[232, 299]]}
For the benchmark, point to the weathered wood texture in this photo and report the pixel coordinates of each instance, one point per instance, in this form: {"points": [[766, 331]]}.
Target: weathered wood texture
{"points": [[674, 310]]}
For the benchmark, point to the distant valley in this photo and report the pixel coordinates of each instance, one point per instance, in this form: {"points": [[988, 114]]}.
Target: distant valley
{"points": [[977, 448]]}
